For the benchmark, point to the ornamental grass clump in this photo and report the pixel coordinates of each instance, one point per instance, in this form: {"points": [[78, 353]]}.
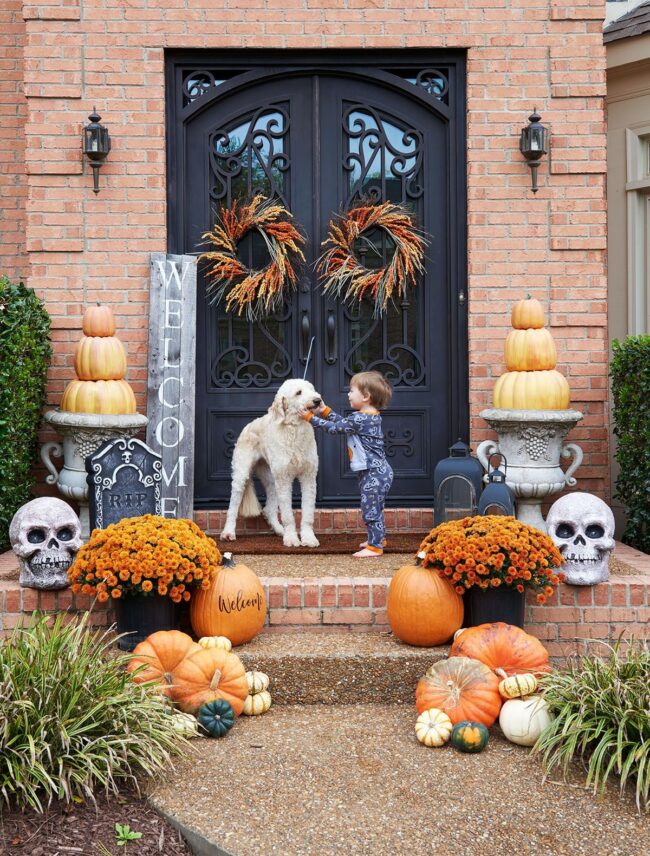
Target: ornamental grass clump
{"points": [[493, 551], [145, 555], [72, 722], [601, 710]]}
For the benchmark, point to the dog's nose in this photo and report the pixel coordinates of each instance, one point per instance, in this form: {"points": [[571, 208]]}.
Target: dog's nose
{"points": [[317, 401]]}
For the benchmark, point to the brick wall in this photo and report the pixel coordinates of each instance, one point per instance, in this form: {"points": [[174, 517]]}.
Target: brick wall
{"points": [[13, 111], [521, 54]]}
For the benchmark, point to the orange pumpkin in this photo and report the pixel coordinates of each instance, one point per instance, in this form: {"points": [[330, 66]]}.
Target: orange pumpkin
{"points": [[98, 396], [502, 646], [209, 674], [423, 608], [536, 390], [530, 350], [161, 654], [462, 688], [100, 358], [527, 313], [234, 605], [98, 321]]}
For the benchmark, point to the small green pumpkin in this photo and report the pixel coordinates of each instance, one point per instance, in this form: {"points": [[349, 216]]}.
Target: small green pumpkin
{"points": [[216, 717], [469, 736]]}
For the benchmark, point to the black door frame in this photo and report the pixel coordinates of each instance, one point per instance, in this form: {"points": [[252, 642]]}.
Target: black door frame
{"points": [[269, 63]]}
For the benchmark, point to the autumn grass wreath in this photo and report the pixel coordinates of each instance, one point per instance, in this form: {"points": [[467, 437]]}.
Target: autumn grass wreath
{"points": [[257, 293]]}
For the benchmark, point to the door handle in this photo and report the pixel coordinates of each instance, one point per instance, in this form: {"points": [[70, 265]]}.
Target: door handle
{"points": [[305, 330], [330, 327]]}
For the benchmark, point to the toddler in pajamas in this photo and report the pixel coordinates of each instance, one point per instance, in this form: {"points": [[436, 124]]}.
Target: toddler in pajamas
{"points": [[369, 393]]}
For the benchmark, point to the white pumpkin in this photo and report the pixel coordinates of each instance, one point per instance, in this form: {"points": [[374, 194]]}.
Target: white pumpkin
{"points": [[257, 682], [522, 720], [433, 727], [516, 686], [215, 642], [185, 724], [257, 704]]}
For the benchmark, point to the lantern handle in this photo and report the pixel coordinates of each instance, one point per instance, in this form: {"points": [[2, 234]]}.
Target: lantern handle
{"points": [[499, 454]]}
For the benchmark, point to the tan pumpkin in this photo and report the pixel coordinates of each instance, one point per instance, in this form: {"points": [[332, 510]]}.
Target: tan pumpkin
{"points": [[257, 682], [208, 674], [530, 350], [516, 686], [423, 609], [504, 647], [99, 321], [527, 313], [543, 390], [433, 727], [215, 642], [257, 703], [461, 688], [100, 358], [98, 396], [156, 658], [233, 606]]}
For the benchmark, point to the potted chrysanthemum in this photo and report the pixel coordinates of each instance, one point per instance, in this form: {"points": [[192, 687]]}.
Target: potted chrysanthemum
{"points": [[147, 566], [491, 561]]}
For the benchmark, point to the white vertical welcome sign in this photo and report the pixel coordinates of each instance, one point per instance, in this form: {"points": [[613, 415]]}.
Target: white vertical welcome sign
{"points": [[171, 377]]}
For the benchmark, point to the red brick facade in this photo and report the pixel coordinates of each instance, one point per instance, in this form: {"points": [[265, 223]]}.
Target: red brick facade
{"points": [[57, 64]]}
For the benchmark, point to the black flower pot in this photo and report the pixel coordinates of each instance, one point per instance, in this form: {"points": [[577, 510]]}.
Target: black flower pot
{"points": [[141, 615], [484, 606]]}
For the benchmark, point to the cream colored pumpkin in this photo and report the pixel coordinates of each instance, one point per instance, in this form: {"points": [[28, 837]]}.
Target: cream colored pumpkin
{"points": [[516, 686], [543, 390], [530, 350], [98, 396], [433, 727], [522, 720], [255, 705], [100, 358], [257, 682], [185, 724], [216, 642]]}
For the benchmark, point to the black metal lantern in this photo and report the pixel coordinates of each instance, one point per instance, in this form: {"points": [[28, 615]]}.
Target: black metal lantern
{"points": [[497, 497], [532, 144], [457, 484], [96, 145]]}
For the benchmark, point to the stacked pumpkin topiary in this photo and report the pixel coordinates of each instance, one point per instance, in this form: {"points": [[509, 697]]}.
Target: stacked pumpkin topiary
{"points": [[100, 366], [532, 381]]}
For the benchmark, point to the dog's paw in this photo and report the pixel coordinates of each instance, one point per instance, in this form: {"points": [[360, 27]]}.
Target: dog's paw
{"points": [[291, 539], [308, 539], [228, 535]]}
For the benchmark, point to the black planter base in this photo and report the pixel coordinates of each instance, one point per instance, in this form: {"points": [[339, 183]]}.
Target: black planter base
{"points": [[484, 606], [141, 616]]}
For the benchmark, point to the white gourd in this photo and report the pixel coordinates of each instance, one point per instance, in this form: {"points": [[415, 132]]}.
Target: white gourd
{"points": [[185, 724], [257, 704], [516, 686], [433, 727], [522, 720], [257, 682], [215, 642]]}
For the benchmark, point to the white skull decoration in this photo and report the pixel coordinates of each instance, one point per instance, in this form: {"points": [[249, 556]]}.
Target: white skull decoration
{"points": [[45, 534], [582, 528]]}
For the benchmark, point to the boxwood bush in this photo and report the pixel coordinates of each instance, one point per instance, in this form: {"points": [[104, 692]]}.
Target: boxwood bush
{"points": [[24, 359]]}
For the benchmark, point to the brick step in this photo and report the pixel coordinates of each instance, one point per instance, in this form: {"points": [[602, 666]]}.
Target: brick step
{"points": [[338, 667]]}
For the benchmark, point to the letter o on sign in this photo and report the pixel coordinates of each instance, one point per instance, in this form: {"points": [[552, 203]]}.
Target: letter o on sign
{"points": [[175, 430]]}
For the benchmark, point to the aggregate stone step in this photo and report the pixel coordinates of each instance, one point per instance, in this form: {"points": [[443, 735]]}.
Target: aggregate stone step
{"points": [[338, 667]]}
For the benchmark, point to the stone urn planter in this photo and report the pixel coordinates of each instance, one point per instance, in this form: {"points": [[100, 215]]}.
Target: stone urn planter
{"points": [[83, 433], [532, 441]]}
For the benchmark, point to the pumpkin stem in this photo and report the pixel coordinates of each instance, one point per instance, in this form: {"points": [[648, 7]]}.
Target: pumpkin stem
{"points": [[501, 673], [169, 678], [214, 683]]}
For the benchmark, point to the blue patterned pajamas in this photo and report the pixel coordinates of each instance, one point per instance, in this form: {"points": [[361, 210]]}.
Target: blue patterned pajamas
{"points": [[374, 484]]}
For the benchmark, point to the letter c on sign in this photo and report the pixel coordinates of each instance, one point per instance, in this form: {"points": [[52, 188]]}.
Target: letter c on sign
{"points": [[176, 426], [161, 391]]}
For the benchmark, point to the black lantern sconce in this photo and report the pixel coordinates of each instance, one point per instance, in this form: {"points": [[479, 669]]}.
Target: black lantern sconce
{"points": [[97, 144], [457, 483], [533, 144], [497, 497]]}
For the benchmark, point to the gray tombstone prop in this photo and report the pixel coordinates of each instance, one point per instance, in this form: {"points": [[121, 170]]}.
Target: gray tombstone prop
{"points": [[124, 478]]}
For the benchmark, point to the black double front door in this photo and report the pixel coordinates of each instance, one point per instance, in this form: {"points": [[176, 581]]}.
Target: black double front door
{"points": [[321, 132]]}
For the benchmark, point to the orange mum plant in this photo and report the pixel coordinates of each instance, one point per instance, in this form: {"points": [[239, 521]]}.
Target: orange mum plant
{"points": [[145, 555], [258, 293], [493, 551], [345, 277]]}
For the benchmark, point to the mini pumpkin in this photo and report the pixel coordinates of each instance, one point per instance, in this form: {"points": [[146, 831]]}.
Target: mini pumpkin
{"points": [[502, 646], [469, 736], [98, 321], [527, 313], [461, 688], [217, 717], [257, 682], [433, 727], [215, 642], [522, 720], [516, 686], [257, 704], [185, 724]]}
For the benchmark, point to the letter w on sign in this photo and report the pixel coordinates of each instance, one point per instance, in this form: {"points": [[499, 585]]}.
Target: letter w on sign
{"points": [[170, 390]]}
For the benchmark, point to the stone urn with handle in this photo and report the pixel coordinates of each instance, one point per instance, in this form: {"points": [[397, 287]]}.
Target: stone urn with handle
{"points": [[533, 443]]}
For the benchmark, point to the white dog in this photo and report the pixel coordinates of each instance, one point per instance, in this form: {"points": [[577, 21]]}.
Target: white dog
{"points": [[278, 447]]}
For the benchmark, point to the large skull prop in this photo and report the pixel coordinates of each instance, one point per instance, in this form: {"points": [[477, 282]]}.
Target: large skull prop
{"points": [[582, 528], [45, 534]]}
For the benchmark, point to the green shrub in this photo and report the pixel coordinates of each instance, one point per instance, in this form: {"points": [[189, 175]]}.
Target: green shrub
{"points": [[24, 359], [71, 718], [630, 372], [601, 707]]}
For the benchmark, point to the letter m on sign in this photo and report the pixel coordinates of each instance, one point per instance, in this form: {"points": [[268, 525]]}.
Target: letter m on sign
{"points": [[170, 377]]}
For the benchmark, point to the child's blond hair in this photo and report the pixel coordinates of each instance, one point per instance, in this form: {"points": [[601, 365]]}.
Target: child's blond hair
{"points": [[375, 385]]}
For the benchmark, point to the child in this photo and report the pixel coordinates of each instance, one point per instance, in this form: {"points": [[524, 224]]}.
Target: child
{"points": [[369, 393]]}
